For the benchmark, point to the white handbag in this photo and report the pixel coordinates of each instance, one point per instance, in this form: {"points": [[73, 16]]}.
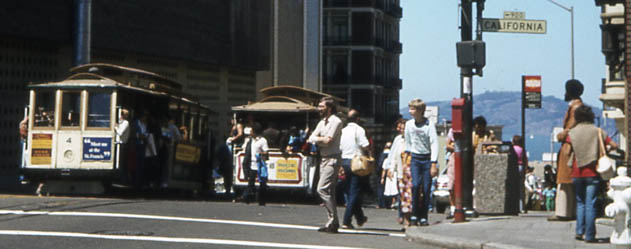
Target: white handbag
{"points": [[606, 166]]}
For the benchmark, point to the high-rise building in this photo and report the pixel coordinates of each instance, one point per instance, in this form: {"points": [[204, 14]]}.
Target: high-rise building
{"points": [[360, 59]]}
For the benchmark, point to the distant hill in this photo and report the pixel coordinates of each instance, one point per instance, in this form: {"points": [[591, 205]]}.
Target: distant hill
{"points": [[504, 108]]}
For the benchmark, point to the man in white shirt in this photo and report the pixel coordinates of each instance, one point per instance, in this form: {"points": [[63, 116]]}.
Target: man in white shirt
{"points": [[326, 136], [258, 152], [122, 137], [353, 142]]}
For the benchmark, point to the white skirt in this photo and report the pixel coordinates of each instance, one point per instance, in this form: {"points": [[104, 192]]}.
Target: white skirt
{"points": [[390, 187]]}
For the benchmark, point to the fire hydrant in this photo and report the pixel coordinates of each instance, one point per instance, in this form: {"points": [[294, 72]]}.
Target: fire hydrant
{"points": [[619, 210]]}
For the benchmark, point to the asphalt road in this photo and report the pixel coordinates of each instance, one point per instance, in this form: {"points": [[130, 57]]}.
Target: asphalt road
{"points": [[80, 222]]}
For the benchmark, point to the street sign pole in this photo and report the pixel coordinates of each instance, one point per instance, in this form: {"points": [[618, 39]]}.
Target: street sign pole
{"points": [[466, 77], [523, 140], [530, 98]]}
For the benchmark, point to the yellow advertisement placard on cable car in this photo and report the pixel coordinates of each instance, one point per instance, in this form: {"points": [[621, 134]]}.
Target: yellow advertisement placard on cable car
{"points": [[286, 169], [283, 170], [187, 153], [42, 149]]}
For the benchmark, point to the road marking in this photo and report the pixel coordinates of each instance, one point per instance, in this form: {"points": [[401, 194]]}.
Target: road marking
{"points": [[175, 218], [167, 239]]}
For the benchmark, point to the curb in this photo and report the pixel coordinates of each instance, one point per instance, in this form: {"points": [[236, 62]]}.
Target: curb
{"points": [[416, 235]]}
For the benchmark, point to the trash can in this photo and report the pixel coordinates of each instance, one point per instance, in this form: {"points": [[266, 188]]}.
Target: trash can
{"points": [[497, 181]]}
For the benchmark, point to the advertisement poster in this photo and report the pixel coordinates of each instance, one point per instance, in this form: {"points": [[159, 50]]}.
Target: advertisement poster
{"points": [[187, 153], [286, 169], [97, 148], [42, 147]]}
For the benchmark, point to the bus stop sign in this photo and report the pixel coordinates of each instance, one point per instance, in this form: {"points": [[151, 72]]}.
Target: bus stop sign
{"points": [[531, 91]]}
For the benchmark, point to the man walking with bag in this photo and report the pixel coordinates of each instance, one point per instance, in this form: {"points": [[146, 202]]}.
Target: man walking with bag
{"points": [[327, 138], [353, 143]]}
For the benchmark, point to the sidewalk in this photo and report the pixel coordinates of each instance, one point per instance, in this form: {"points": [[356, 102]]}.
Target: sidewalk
{"points": [[530, 230]]}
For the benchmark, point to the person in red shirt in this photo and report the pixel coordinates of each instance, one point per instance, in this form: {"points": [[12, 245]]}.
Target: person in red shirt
{"points": [[585, 146]]}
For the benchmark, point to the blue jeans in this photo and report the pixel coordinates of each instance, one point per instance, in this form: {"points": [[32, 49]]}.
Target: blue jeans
{"points": [[352, 188], [421, 181], [586, 190]]}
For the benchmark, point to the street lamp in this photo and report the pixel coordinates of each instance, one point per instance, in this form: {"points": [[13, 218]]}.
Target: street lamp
{"points": [[571, 10]]}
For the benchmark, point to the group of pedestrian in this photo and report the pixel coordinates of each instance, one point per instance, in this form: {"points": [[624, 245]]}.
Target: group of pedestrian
{"points": [[408, 164], [578, 181], [407, 169]]}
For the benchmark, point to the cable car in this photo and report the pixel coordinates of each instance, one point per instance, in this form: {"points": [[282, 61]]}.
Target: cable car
{"points": [[72, 138], [285, 107]]}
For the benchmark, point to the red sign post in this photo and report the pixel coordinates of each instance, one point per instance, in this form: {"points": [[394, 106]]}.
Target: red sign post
{"points": [[530, 98], [531, 90]]}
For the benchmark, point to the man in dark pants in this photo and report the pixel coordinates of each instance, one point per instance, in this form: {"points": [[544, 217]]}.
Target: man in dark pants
{"points": [[258, 153], [421, 141], [353, 143]]}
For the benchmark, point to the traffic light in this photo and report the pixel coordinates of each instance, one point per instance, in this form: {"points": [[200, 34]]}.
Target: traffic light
{"points": [[471, 54]]}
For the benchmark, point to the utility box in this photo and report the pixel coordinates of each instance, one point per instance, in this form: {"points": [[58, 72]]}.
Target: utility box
{"points": [[497, 179], [471, 54]]}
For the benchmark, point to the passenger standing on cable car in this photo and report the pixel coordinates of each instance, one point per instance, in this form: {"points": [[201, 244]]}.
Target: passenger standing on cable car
{"points": [[141, 145], [122, 138], [170, 136], [236, 134]]}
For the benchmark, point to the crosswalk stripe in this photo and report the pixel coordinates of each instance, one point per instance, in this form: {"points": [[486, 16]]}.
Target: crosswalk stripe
{"points": [[187, 219], [167, 239]]}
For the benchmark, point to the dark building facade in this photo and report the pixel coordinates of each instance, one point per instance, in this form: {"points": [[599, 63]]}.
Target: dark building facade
{"points": [[213, 47], [361, 51]]}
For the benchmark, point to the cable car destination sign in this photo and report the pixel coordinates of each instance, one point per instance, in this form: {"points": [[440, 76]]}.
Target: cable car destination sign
{"points": [[514, 22]]}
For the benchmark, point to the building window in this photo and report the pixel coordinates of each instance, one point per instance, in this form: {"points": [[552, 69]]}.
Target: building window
{"points": [[616, 75], [363, 101], [337, 68], [337, 30]]}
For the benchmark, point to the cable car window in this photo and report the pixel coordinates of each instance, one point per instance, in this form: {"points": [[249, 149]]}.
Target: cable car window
{"points": [[44, 109], [70, 109], [99, 109]]}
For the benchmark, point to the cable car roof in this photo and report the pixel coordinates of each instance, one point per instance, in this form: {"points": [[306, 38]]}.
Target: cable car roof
{"points": [[130, 74], [299, 93], [276, 104], [95, 79]]}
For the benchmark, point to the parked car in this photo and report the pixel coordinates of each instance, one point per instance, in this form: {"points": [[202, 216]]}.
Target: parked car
{"points": [[441, 192]]}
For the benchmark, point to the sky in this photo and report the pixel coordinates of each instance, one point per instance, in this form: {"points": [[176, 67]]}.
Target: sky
{"points": [[429, 32]]}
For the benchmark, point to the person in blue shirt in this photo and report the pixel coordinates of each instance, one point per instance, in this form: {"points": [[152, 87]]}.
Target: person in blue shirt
{"points": [[550, 193]]}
